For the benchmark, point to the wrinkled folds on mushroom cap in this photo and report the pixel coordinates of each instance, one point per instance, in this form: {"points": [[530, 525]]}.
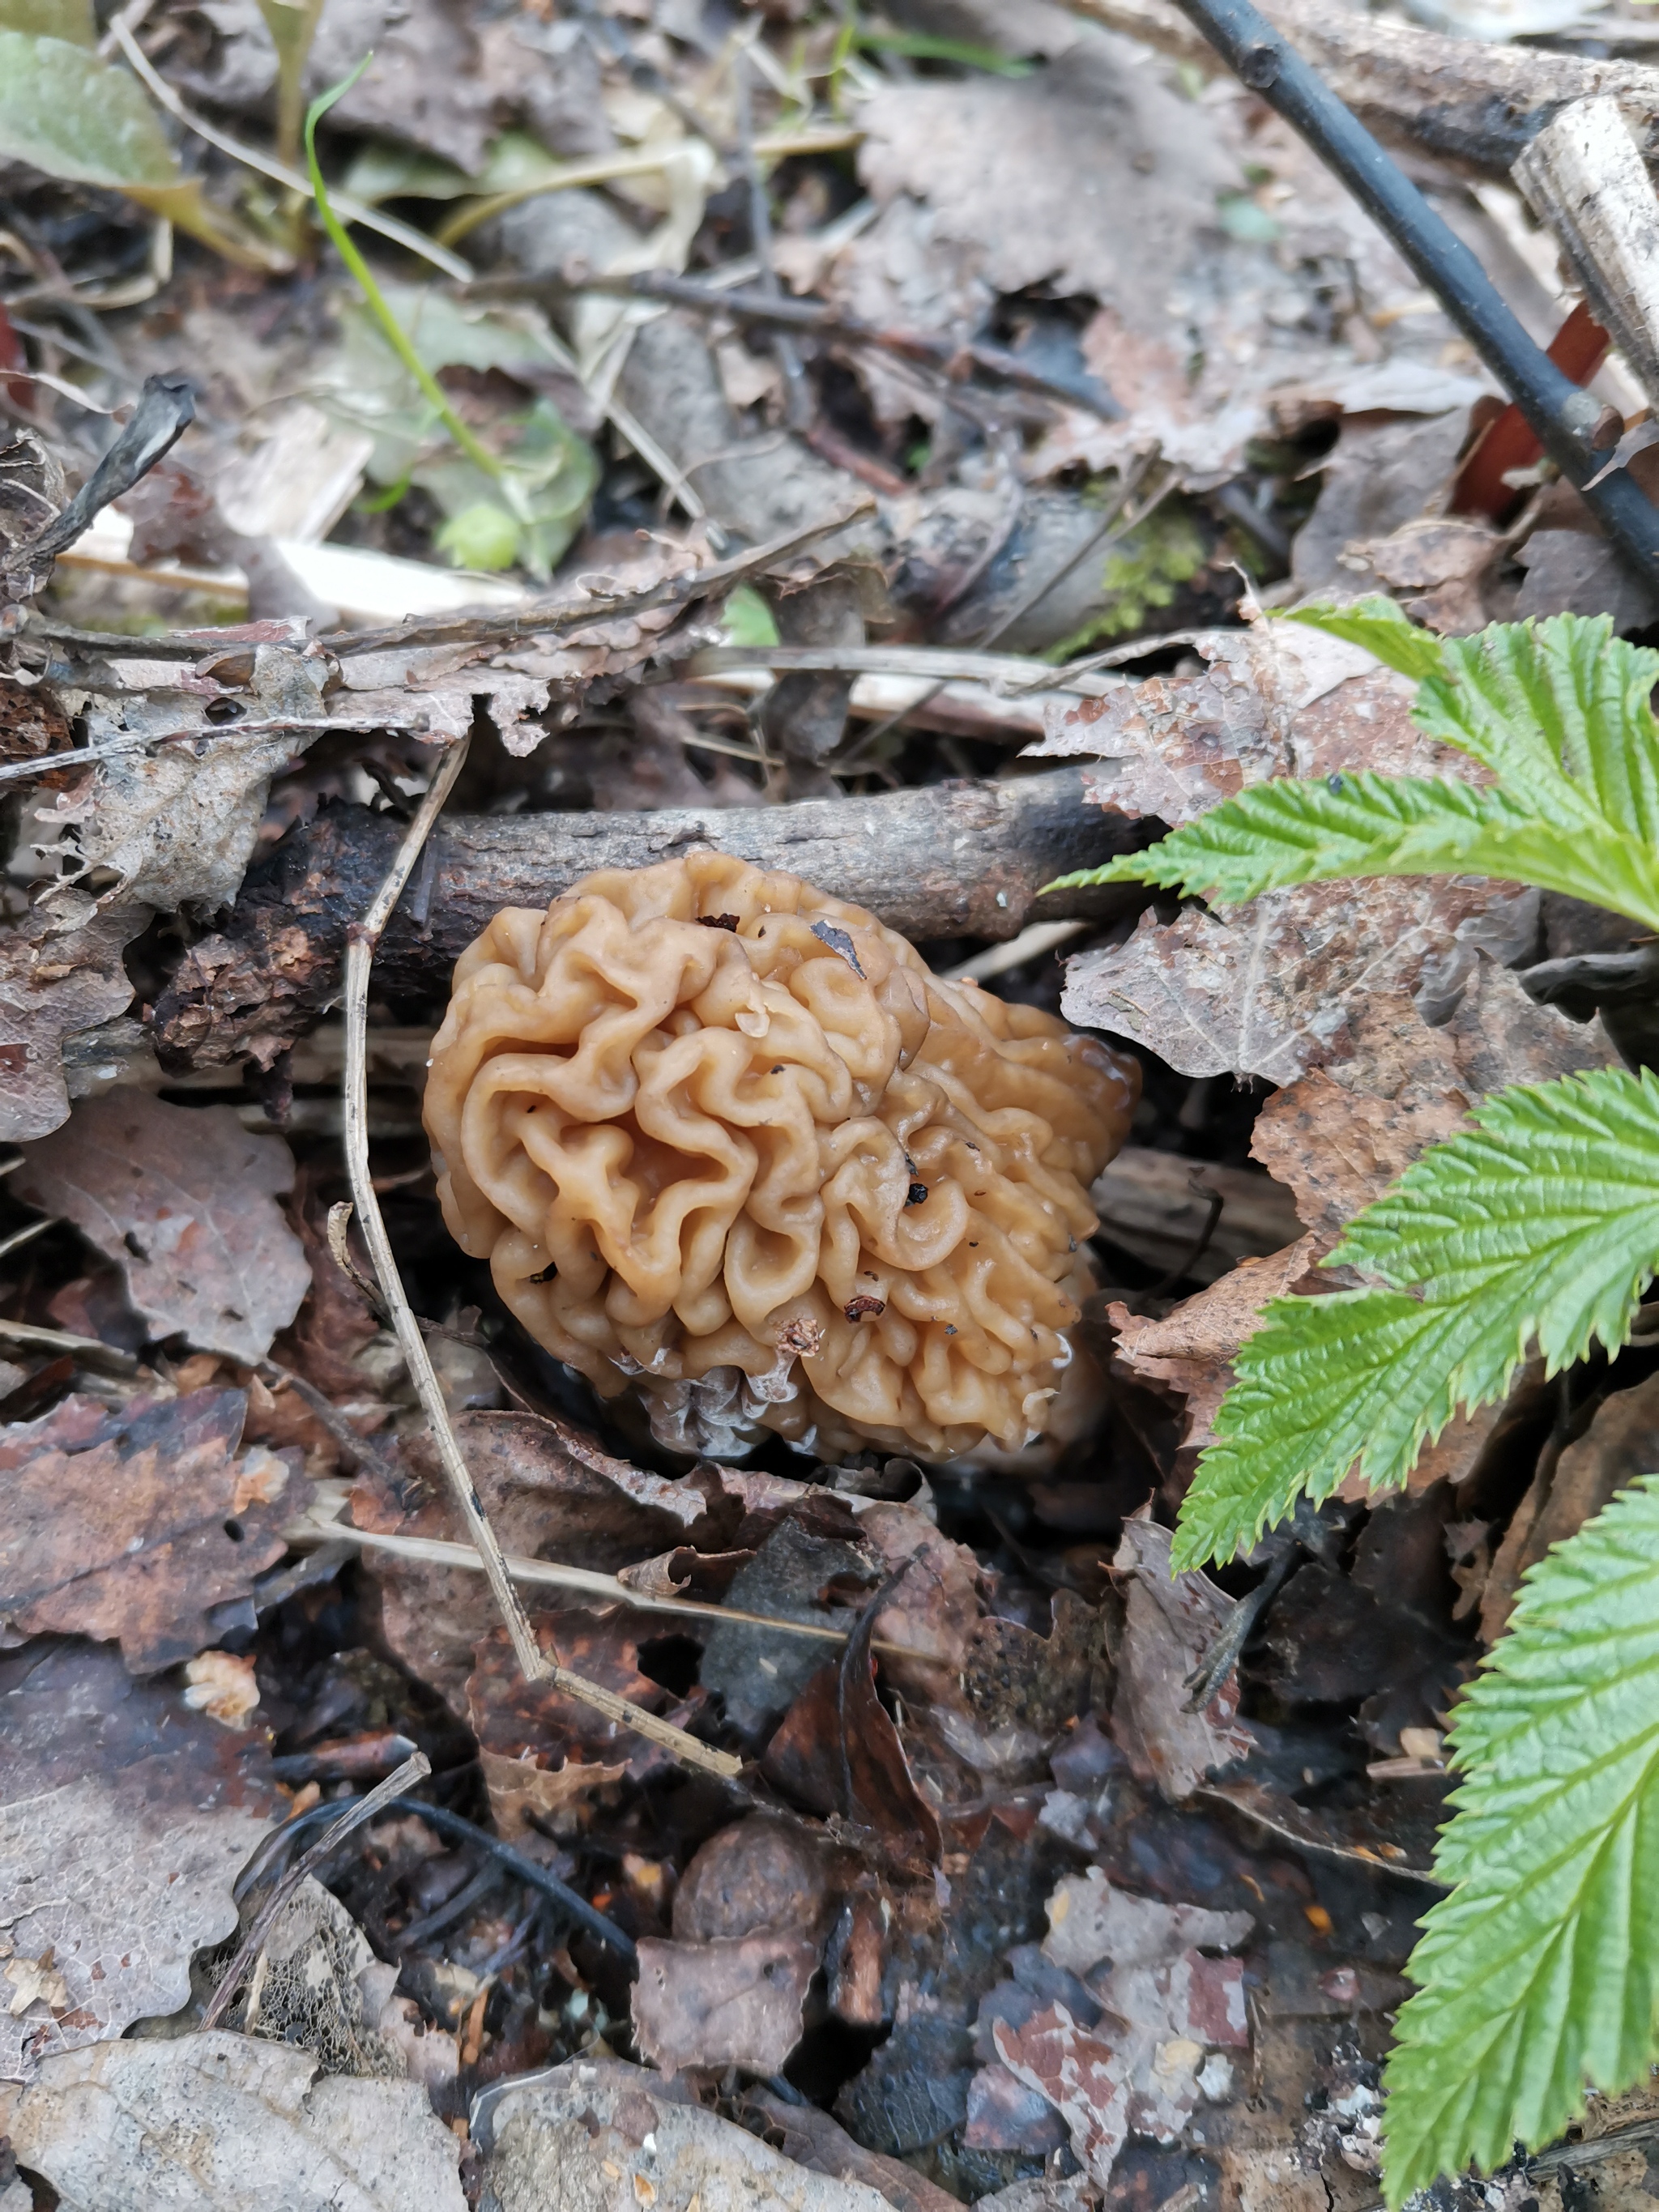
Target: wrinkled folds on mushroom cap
{"points": [[721, 1133]]}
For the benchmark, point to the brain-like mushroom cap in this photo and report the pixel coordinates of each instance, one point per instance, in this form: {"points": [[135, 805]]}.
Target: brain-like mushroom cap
{"points": [[717, 1131]]}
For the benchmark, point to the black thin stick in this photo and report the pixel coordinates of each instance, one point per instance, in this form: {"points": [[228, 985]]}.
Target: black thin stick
{"points": [[461, 1831], [1559, 414]]}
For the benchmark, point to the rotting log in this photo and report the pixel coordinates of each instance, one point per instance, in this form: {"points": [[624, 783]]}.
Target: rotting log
{"points": [[943, 860], [1470, 105]]}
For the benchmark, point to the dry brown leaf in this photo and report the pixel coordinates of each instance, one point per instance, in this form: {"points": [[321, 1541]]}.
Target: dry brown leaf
{"points": [[1191, 1349], [1338, 1137], [1277, 699], [1171, 1621], [543, 1501], [513, 1717], [1271, 989], [60, 973], [183, 1200], [1167, 2006], [214, 2122], [734, 2002], [1621, 1442], [136, 1527], [1274, 987], [178, 824], [518, 1787], [124, 1818]]}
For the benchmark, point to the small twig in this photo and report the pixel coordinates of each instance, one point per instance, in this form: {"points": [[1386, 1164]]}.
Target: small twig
{"points": [[532, 620], [25, 771], [1565, 421], [91, 1351], [360, 954], [812, 317], [797, 407], [1189, 1259], [610, 1590], [411, 1772]]}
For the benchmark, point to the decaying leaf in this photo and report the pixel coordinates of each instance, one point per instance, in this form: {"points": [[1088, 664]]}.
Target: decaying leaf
{"points": [[212, 2123], [60, 973], [124, 1818], [598, 2132], [1277, 699], [1135, 2066], [1272, 989], [1275, 987], [543, 1501], [1191, 1349], [183, 1200], [1340, 1136], [1172, 1620], [734, 2002], [515, 1719], [178, 824], [138, 1526], [1620, 1444]]}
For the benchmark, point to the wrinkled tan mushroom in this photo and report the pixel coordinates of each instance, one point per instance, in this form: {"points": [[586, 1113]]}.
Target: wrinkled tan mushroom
{"points": [[720, 1133]]}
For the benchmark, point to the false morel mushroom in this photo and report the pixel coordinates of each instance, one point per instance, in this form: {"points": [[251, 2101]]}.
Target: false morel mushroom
{"points": [[728, 1140]]}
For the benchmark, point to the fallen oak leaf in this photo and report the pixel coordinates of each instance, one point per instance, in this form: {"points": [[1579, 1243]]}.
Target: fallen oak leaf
{"points": [[136, 1525], [124, 1819], [183, 1200], [731, 2002]]}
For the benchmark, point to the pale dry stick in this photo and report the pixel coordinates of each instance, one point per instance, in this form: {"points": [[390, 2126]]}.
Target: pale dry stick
{"points": [[438, 1551], [411, 1772], [355, 210], [359, 959]]}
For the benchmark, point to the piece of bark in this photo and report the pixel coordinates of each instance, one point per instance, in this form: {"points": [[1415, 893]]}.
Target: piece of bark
{"points": [[1583, 177], [1471, 106], [948, 860]]}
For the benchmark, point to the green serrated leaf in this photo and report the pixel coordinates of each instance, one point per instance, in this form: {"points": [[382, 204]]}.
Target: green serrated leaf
{"points": [[1558, 711], [1541, 1221], [1547, 1212], [1349, 827], [1361, 1376], [1381, 626], [71, 19], [64, 111], [1540, 1972]]}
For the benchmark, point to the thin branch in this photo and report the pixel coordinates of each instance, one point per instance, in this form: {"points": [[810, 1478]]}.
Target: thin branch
{"points": [[609, 1590], [411, 1772], [811, 316], [360, 955], [533, 619]]}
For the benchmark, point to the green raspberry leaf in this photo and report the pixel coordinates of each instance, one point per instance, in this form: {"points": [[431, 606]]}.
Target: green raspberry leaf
{"points": [[1540, 1973], [1540, 1222]]}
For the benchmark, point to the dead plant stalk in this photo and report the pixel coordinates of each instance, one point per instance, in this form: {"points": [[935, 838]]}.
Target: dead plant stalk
{"points": [[360, 945]]}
